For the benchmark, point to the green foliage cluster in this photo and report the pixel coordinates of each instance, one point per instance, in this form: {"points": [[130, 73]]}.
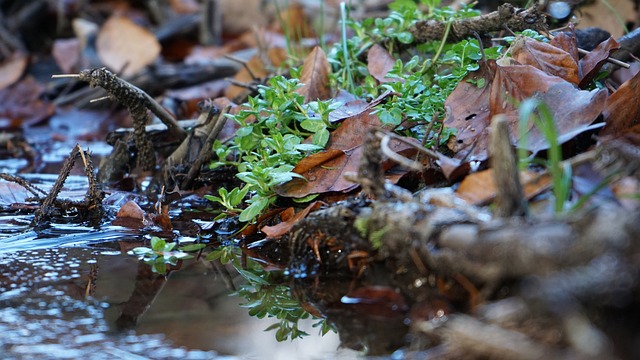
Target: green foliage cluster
{"points": [[269, 144], [275, 123]]}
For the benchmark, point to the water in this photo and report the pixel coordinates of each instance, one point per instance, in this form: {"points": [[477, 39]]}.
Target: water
{"points": [[96, 303], [70, 291]]}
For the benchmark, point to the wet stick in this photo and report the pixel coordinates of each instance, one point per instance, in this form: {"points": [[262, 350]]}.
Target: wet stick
{"points": [[206, 152], [137, 101], [509, 197]]}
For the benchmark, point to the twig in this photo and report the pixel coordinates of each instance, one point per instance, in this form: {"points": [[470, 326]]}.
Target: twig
{"points": [[127, 94], [507, 16], [510, 200]]}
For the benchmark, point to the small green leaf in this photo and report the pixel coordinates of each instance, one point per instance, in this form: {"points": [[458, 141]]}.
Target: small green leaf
{"points": [[253, 278], [214, 255], [157, 244], [140, 251], [313, 125], [321, 137], [405, 37], [192, 247], [254, 209]]}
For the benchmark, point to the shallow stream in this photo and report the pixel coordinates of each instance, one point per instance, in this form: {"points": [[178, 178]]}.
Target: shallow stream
{"points": [[71, 292]]}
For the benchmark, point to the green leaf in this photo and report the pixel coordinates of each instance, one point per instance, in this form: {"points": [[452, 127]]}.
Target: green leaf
{"points": [[140, 251], [159, 267], [253, 278], [313, 125], [405, 37], [321, 137], [157, 244], [214, 255], [305, 199], [192, 247], [254, 209]]}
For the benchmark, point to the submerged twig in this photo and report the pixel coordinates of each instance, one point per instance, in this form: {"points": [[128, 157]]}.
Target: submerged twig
{"points": [[93, 197]]}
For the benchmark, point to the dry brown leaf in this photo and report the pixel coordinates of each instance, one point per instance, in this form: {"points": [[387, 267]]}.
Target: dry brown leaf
{"points": [[546, 57], [468, 110], [126, 47], [379, 63], [276, 56], [20, 104], [568, 42], [622, 110], [513, 84], [285, 226], [131, 210], [609, 15], [343, 155], [591, 63], [315, 76], [66, 53], [12, 68], [480, 188]]}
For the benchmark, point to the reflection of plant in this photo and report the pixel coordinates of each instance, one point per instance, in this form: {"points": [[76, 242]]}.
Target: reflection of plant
{"points": [[267, 295], [162, 254]]}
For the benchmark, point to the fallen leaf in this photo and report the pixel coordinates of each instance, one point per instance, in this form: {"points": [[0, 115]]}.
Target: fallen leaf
{"points": [[571, 118], [546, 57], [468, 110], [568, 42], [285, 226], [593, 61], [66, 53], [622, 110], [353, 106], [480, 188], [315, 76], [125, 47], [12, 68], [342, 155], [379, 63], [255, 71], [513, 84], [131, 210], [20, 104]]}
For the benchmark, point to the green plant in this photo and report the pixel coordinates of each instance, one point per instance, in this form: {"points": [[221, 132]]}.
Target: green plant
{"points": [[561, 173], [162, 253], [274, 124], [270, 143], [267, 294]]}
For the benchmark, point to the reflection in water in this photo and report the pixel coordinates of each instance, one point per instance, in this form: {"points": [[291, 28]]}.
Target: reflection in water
{"points": [[70, 303]]}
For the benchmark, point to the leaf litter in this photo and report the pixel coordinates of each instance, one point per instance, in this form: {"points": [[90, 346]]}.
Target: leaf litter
{"points": [[456, 253]]}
